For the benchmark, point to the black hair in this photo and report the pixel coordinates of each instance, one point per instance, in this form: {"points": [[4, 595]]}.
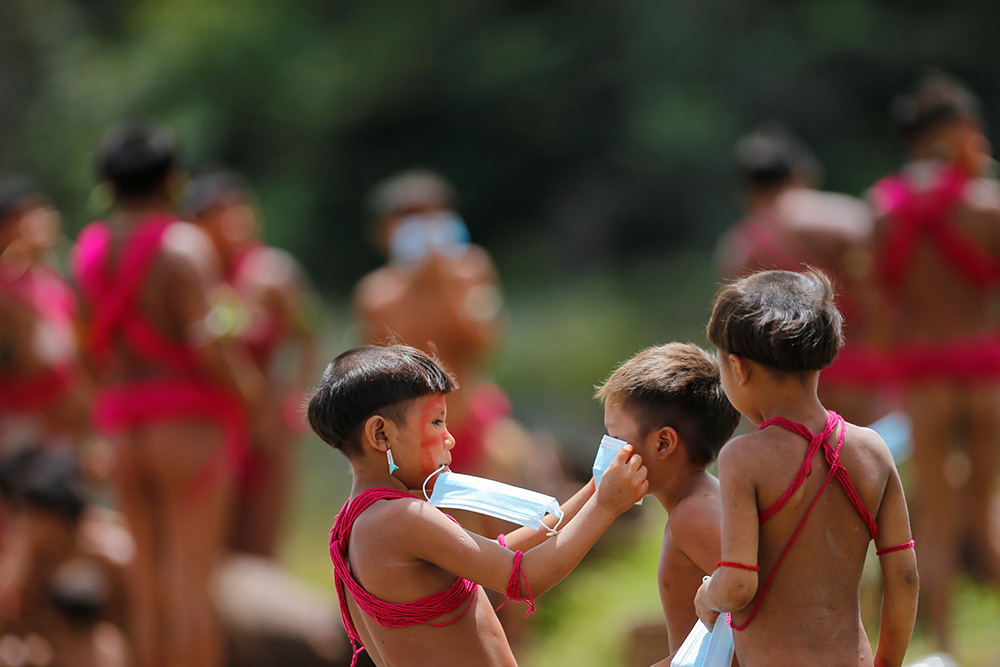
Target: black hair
{"points": [[784, 320], [369, 379], [50, 482], [771, 155], [212, 188], [137, 158], [937, 100], [15, 193]]}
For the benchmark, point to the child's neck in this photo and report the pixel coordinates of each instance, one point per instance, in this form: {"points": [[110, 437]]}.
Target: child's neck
{"points": [[789, 395], [373, 475], [680, 485]]}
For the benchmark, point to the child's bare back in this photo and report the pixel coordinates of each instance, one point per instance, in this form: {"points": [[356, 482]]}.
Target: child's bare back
{"points": [[819, 577], [803, 496]]}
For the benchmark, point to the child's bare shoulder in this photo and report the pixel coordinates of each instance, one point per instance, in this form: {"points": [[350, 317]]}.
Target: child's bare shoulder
{"points": [[393, 522], [697, 514], [744, 450]]}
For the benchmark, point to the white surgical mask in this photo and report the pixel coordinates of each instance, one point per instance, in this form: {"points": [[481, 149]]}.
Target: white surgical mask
{"points": [[486, 496], [606, 453]]}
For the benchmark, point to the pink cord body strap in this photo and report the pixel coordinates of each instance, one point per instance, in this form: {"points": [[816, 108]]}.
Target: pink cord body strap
{"points": [[837, 470], [898, 547], [387, 614], [513, 591]]}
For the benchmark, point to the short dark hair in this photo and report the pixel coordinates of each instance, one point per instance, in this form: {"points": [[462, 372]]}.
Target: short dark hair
{"points": [[16, 193], [137, 158], [44, 481], [771, 155], [937, 100], [676, 385], [371, 378], [784, 320], [212, 188], [409, 188]]}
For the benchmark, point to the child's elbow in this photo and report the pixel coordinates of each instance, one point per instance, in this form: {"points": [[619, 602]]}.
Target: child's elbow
{"points": [[741, 596], [739, 592]]}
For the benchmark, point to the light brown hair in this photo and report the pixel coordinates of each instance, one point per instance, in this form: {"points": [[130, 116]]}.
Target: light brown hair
{"points": [[675, 385]]}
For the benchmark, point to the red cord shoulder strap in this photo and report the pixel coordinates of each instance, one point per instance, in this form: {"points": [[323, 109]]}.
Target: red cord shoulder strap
{"points": [[837, 470]]}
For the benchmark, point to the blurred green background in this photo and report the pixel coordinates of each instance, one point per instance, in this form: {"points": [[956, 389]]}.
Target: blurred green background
{"points": [[590, 144]]}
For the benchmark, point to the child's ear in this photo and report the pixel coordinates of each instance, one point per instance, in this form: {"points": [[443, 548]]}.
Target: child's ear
{"points": [[375, 432], [740, 366], [667, 442]]}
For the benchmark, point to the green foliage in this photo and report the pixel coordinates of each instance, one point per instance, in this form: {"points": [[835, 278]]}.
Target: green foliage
{"points": [[601, 130]]}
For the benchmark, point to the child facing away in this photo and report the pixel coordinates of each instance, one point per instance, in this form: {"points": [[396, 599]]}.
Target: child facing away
{"points": [[409, 578], [668, 403], [802, 496]]}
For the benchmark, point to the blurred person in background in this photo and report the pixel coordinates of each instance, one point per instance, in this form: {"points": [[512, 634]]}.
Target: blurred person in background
{"points": [[441, 293], [63, 598], [43, 394], [938, 239], [175, 391], [790, 225], [278, 310]]}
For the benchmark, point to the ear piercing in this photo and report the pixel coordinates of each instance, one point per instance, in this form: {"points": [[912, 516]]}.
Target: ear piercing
{"points": [[392, 464]]}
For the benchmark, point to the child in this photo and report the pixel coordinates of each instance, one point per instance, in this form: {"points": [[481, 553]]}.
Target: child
{"points": [[414, 576], [668, 403], [806, 533]]}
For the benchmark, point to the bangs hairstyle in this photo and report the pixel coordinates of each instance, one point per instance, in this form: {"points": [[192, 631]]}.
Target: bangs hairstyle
{"points": [[783, 320], [676, 385], [372, 379]]}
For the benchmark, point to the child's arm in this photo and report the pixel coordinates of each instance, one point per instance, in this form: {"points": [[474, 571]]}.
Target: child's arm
{"points": [[732, 588], [524, 539], [900, 582], [447, 545]]}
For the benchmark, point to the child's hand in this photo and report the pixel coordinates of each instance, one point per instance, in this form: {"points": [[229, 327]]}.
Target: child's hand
{"points": [[624, 482], [707, 615]]}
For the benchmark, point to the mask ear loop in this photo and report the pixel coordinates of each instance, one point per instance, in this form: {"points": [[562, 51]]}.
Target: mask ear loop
{"points": [[439, 470], [554, 530]]}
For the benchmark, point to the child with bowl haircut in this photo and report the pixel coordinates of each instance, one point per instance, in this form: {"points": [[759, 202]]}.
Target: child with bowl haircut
{"points": [[803, 496], [668, 403], [409, 578]]}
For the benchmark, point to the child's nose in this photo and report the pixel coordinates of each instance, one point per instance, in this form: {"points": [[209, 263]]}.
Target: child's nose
{"points": [[449, 439]]}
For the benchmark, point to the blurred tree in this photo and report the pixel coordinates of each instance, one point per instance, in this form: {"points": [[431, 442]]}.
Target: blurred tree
{"points": [[594, 133]]}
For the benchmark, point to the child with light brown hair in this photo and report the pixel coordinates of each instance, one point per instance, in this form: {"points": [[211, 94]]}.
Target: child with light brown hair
{"points": [[804, 495], [668, 403]]}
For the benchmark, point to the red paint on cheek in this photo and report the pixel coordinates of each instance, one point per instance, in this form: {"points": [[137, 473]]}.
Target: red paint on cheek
{"points": [[432, 437]]}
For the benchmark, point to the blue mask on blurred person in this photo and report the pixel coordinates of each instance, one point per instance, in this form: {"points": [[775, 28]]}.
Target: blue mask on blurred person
{"points": [[416, 236]]}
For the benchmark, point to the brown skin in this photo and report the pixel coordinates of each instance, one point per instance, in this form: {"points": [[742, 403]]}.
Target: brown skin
{"points": [[835, 231], [176, 540], [439, 304], [29, 345], [273, 287], [691, 538], [401, 550], [812, 613], [39, 544], [935, 303]]}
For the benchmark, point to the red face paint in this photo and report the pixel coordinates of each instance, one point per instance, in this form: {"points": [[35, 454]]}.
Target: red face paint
{"points": [[432, 436]]}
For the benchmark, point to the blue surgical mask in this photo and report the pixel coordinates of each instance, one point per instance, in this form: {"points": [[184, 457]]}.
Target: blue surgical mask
{"points": [[496, 499], [417, 235], [606, 453]]}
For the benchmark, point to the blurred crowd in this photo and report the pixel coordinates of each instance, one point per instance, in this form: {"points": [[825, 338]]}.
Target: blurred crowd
{"points": [[166, 373]]}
